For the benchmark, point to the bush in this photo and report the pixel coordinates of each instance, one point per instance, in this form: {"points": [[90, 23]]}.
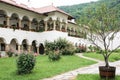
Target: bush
{"points": [[77, 50], [67, 52], [25, 63], [53, 56], [10, 53], [61, 44]]}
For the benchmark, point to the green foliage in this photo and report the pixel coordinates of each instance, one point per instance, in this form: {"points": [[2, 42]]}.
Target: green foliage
{"points": [[80, 49], [112, 58], [79, 11], [10, 53], [67, 52], [53, 56], [25, 63], [43, 68], [60, 44]]}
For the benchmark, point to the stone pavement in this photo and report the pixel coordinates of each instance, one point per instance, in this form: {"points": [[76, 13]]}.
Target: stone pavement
{"points": [[92, 69]]}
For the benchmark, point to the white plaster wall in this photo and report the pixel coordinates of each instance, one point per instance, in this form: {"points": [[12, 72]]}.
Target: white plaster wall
{"points": [[20, 35], [55, 15], [61, 16]]}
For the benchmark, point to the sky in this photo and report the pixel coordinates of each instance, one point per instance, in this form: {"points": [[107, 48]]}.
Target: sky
{"points": [[41, 3]]}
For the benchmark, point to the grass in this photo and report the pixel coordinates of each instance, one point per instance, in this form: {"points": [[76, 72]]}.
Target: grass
{"points": [[43, 69], [113, 57], [92, 77]]}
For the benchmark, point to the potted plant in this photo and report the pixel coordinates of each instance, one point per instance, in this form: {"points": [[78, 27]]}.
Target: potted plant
{"points": [[102, 26]]}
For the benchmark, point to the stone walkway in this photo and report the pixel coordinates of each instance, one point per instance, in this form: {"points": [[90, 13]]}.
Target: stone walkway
{"points": [[92, 69]]}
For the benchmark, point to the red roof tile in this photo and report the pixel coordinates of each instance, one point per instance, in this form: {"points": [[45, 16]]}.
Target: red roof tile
{"points": [[50, 8]]}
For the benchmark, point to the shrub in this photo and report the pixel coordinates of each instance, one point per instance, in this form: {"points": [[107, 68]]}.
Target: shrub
{"points": [[61, 44], [53, 56], [77, 50], [25, 63], [10, 53], [80, 49], [67, 52]]}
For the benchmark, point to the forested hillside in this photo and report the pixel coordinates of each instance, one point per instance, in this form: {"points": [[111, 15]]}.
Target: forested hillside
{"points": [[79, 10]]}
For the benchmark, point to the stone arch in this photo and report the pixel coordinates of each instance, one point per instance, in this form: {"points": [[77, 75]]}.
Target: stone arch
{"points": [[2, 44], [41, 48], [50, 24], [42, 26], [25, 45], [34, 46], [14, 21], [3, 18], [25, 23], [34, 24], [14, 45]]}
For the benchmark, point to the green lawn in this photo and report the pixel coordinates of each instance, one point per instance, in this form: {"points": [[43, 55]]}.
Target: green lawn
{"points": [[113, 57], [43, 69], [92, 77]]}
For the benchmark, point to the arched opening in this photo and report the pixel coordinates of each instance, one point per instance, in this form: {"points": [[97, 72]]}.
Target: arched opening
{"points": [[24, 45], [41, 49], [41, 26], [34, 25], [14, 21], [25, 23], [50, 24], [13, 45], [2, 44], [58, 24], [3, 18], [34, 48]]}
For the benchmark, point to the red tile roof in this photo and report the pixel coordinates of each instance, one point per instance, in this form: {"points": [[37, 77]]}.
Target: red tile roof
{"points": [[50, 8], [23, 6], [41, 10]]}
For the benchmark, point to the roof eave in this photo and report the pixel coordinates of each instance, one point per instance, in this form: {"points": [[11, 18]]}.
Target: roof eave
{"points": [[21, 7]]}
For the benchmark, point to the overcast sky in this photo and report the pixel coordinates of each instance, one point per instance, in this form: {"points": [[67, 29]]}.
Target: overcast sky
{"points": [[41, 3]]}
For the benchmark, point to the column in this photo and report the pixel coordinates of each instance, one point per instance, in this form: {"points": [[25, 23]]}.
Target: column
{"points": [[37, 50], [65, 26], [7, 47], [8, 22], [19, 24], [54, 25], [60, 26], [29, 48], [45, 25], [38, 28], [19, 49], [29, 25]]}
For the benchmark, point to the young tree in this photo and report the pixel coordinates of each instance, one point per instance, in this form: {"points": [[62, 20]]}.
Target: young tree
{"points": [[102, 25]]}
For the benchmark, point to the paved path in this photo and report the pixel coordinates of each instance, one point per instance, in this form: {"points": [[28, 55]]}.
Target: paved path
{"points": [[92, 69]]}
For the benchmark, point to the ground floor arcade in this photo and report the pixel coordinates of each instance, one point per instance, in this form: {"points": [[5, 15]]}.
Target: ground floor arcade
{"points": [[23, 47]]}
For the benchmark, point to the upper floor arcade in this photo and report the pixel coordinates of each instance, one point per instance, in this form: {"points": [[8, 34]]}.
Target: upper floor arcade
{"points": [[21, 17]]}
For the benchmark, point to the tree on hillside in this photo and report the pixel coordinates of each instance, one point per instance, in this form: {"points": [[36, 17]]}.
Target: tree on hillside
{"points": [[102, 25]]}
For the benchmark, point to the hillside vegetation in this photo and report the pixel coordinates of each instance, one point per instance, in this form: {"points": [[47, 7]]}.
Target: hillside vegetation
{"points": [[79, 10]]}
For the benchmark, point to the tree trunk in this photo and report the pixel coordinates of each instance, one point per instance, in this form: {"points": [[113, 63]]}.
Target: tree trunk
{"points": [[106, 61]]}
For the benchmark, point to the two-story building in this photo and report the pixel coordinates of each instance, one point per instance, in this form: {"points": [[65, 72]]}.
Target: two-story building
{"points": [[25, 28]]}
